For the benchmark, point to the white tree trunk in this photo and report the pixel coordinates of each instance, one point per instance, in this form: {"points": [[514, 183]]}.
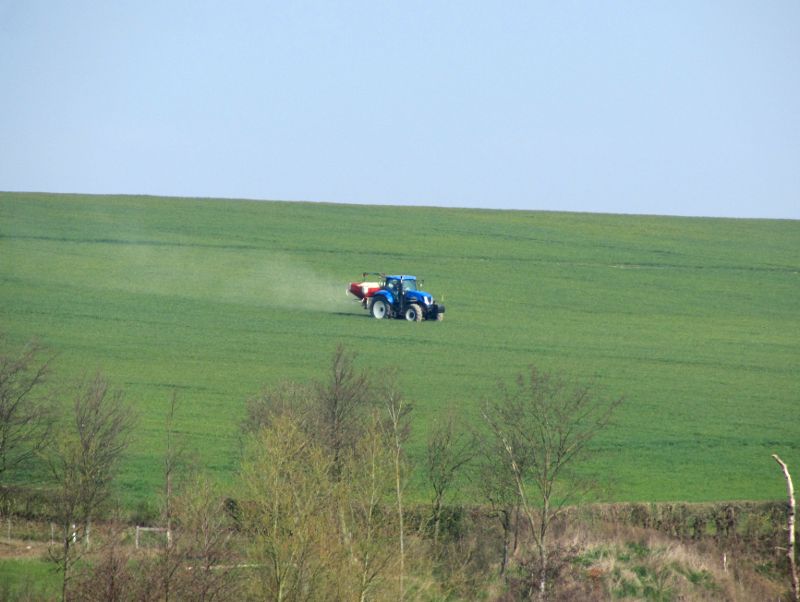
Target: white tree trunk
{"points": [[790, 520]]}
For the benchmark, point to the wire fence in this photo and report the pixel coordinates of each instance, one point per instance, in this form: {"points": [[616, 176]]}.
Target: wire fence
{"points": [[16, 529]]}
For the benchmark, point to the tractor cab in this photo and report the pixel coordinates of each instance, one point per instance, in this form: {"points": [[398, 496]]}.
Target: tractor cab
{"points": [[399, 285]]}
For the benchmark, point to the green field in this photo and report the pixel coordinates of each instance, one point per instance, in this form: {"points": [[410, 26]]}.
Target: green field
{"points": [[28, 579], [695, 322]]}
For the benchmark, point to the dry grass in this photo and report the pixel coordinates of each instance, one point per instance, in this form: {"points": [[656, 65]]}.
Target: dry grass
{"points": [[611, 561]]}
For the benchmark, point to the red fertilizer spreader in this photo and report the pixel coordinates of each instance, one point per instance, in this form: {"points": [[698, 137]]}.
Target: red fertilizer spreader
{"points": [[363, 290]]}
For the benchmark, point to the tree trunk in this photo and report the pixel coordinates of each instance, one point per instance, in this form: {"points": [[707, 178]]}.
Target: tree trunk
{"points": [[542, 569], [505, 520], [399, 490], [65, 563], [437, 519], [790, 520]]}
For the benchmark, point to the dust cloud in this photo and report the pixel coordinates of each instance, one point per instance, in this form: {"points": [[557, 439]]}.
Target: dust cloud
{"points": [[286, 283]]}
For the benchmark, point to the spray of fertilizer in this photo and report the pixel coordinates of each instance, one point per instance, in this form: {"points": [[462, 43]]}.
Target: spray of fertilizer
{"points": [[284, 282], [249, 278]]}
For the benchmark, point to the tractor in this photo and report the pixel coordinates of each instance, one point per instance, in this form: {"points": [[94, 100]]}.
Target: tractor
{"points": [[396, 297]]}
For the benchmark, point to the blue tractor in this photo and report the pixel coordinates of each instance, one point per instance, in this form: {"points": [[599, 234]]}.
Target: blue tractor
{"points": [[397, 297]]}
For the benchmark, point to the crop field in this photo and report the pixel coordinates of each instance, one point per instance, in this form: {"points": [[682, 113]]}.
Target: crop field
{"points": [[695, 322]]}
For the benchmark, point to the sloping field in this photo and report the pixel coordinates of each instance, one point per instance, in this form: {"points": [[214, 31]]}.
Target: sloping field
{"points": [[694, 321]]}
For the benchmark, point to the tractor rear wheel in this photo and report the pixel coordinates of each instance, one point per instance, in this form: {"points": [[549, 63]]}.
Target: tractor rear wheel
{"points": [[379, 309], [414, 313]]}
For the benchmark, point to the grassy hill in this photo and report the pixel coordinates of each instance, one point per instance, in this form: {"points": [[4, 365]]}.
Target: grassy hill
{"points": [[694, 321]]}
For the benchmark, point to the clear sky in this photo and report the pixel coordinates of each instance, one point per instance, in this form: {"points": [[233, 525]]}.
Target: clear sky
{"points": [[657, 107]]}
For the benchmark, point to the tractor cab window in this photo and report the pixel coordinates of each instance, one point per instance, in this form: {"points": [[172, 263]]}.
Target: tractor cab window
{"points": [[409, 284]]}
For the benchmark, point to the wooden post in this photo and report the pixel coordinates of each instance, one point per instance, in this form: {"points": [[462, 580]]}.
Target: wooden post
{"points": [[791, 519]]}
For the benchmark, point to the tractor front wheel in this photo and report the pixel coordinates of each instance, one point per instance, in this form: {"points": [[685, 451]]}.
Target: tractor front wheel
{"points": [[414, 313], [379, 309]]}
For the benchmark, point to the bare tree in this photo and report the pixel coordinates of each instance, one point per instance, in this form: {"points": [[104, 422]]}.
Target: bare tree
{"points": [[341, 404], [496, 484], [25, 412], [449, 451], [544, 424], [83, 462]]}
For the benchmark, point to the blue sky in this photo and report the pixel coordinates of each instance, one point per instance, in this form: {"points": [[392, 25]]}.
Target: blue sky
{"points": [[673, 107]]}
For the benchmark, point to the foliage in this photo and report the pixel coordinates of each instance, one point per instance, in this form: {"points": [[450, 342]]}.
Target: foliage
{"points": [[317, 480], [285, 479]]}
